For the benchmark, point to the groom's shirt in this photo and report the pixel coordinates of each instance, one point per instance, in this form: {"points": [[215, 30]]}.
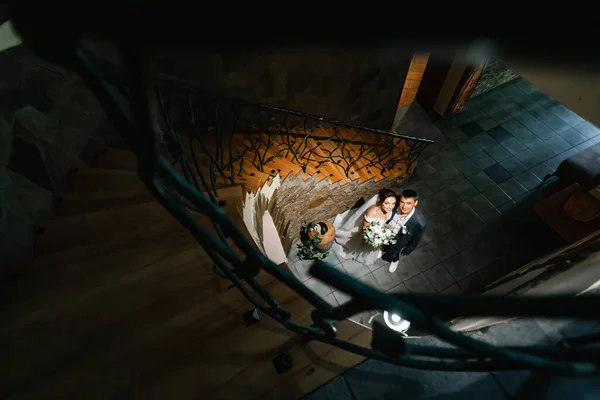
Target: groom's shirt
{"points": [[399, 221]]}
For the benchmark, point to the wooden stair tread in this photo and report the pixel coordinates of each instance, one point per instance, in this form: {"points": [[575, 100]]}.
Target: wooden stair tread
{"points": [[82, 202], [101, 179], [64, 264], [136, 219], [106, 318], [116, 158]]}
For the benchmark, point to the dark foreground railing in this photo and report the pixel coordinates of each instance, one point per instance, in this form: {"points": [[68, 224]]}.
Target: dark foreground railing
{"points": [[138, 119]]}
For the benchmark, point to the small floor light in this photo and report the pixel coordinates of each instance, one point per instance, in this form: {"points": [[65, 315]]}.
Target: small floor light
{"points": [[395, 322]]}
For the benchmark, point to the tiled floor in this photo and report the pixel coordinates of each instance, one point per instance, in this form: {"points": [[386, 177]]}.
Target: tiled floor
{"points": [[477, 184]]}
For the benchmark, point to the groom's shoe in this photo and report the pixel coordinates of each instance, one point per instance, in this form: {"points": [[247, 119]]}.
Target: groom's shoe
{"points": [[393, 266]]}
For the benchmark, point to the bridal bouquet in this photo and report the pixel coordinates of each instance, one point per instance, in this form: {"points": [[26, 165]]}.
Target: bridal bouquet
{"points": [[377, 235]]}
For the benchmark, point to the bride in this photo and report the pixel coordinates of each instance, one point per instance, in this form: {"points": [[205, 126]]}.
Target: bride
{"points": [[349, 242]]}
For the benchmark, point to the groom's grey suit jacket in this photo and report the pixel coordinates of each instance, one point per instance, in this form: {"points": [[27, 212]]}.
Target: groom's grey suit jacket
{"points": [[405, 244]]}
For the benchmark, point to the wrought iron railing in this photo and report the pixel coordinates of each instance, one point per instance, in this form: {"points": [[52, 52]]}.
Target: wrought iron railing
{"points": [[237, 137], [138, 119]]}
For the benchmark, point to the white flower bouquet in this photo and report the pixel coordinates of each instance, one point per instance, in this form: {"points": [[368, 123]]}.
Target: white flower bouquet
{"points": [[378, 235]]}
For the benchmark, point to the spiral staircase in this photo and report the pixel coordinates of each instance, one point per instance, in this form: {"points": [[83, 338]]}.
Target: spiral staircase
{"points": [[121, 300]]}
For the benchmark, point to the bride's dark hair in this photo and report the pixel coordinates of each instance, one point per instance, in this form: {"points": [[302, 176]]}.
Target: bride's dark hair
{"points": [[385, 193]]}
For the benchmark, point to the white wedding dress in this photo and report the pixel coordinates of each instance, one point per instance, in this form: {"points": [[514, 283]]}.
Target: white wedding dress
{"points": [[349, 242]]}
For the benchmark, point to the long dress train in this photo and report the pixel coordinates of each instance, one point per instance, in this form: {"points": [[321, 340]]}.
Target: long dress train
{"points": [[349, 242]]}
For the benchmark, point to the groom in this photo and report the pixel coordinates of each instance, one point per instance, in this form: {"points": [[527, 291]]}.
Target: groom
{"points": [[410, 224]]}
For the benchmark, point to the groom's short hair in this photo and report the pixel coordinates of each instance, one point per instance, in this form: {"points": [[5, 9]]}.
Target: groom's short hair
{"points": [[409, 193]]}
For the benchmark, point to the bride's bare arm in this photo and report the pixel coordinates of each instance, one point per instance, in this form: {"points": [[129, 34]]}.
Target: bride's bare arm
{"points": [[371, 213]]}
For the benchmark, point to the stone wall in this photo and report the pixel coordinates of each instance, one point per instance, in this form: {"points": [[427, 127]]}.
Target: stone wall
{"points": [[494, 75], [48, 119], [298, 201], [360, 87]]}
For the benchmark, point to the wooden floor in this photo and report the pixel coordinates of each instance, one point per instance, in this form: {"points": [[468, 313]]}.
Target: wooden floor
{"points": [[121, 302]]}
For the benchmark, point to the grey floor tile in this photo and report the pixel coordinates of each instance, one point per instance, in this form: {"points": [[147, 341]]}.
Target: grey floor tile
{"points": [[473, 283], [513, 166], [425, 170], [480, 204], [460, 238], [452, 289], [516, 128], [302, 267], [440, 162], [341, 297], [541, 170], [320, 288], [424, 258], [442, 248], [377, 380], [566, 115], [514, 146], [500, 134], [467, 167], [419, 284], [459, 266], [569, 153], [370, 280], [557, 124], [441, 223], [483, 160], [332, 258], [558, 144], [529, 180], [497, 173], [485, 141], [528, 158], [481, 181], [401, 288], [555, 161], [498, 153], [407, 268], [336, 389], [422, 188], [507, 207], [378, 264], [469, 147], [455, 134], [513, 188], [588, 143], [496, 196], [487, 123], [463, 189], [469, 128], [534, 125], [451, 174], [587, 129], [330, 299], [491, 216], [293, 255], [387, 280], [439, 277], [355, 269], [573, 137], [500, 115]]}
